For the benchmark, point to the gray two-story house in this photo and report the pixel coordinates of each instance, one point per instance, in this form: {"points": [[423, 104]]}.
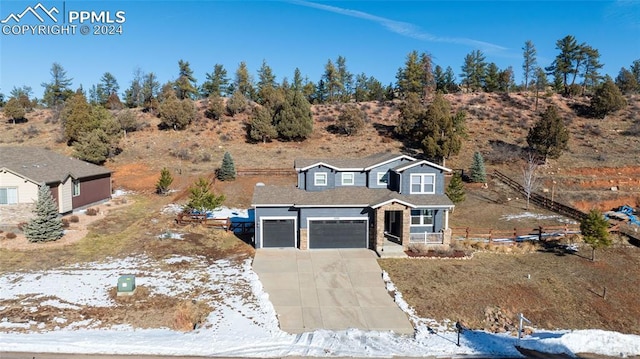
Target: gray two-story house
{"points": [[355, 203]]}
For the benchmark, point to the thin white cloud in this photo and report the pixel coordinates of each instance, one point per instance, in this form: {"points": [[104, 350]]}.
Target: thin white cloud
{"points": [[400, 27]]}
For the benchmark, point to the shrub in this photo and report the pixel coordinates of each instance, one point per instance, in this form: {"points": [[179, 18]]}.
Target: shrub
{"points": [[10, 235], [65, 223], [74, 219], [91, 211]]}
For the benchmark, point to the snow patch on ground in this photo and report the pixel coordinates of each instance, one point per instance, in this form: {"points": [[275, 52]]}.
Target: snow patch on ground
{"points": [[243, 321], [530, 215]]}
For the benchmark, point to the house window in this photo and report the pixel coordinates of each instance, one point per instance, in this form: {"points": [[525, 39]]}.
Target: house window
{"points": [[320, 179], [8, 195], [76, 188], [348, 179], [383, 178], [423, 183], [422, 217]]}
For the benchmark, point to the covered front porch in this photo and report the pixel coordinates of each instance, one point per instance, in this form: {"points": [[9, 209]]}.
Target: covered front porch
{"points": [[400, 224]]}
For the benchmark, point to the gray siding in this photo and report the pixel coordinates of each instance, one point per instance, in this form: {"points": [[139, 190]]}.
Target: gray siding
{"points": [[305, 213], [438, 224], [271, 212], [310, 182], [405, 178], [372, 174], [360, 179]]}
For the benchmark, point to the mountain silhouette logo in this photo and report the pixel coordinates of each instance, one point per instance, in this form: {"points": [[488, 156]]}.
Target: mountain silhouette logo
{"points": [[39, 11]]}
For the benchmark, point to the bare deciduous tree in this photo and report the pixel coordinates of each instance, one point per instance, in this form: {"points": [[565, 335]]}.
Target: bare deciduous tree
{"points": [[529, 175]]}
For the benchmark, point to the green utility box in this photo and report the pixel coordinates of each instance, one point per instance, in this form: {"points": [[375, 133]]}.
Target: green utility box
{"points": [[126, 285]]}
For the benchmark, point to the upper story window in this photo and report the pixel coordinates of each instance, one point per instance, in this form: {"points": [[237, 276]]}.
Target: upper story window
{"points": [[423, 183], [383, 178], [348, 179], [320, 179], [76, 188]]}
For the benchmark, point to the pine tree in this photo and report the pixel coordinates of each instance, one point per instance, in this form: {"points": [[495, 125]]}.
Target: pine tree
{"points": [[478, 172], [455, 189], [261, 127], [165, 180], [440, 132], [76, 118], [626, 82], [58, 90], [216, 83], [294, 120], [215, 108], [530, 63], [108, 86], [237, 103], [201, 198], [607, 99], [46, 225], [594, 229], [549, 136], [474, 70], [177, 114], [243, 82], [13, 110], [350, 120], [227, 171]]}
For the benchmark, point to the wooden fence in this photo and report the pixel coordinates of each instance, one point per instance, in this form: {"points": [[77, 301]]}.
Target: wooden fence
{"points": [[541, 200], [493, 235]]}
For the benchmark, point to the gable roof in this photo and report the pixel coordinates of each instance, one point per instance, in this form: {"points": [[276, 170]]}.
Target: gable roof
{"points": [[355, 164], [285, 196], [405, 166], [41, 165]]}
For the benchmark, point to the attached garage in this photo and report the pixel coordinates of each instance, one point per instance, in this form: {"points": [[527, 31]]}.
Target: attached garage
{"points": [[278, 232], [338, 233]]}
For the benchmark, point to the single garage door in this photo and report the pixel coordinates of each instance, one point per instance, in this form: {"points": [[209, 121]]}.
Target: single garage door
{"points": [[278, 233], [338, 233]]}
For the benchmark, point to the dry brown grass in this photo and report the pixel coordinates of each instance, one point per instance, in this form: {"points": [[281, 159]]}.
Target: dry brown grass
{"points": [[554, 291]]}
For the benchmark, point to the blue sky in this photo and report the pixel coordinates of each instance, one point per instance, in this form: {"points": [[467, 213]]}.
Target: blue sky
{"points": [[373, 36]]}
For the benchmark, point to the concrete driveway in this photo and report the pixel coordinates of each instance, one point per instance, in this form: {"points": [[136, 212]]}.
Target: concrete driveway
{"points": [[328, 289]]}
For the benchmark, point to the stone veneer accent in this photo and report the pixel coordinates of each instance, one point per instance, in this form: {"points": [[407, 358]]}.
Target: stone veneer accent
{"points": [[406, 217], [304, 239]]}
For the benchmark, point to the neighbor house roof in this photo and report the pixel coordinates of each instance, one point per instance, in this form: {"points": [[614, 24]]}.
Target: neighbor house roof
{"points": [[41, 165], [280, 196], [355, 164]]}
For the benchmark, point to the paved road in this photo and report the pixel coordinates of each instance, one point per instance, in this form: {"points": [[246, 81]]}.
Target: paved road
{"points": [[328, 289]]}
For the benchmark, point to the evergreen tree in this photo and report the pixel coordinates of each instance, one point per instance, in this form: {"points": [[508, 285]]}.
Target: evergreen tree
{"points": [[215, 107], [149, 92], [243, 82], [13, 110], [411, 112], [175, 113], [540, 82], [345, 78], [594, 229], [440, 133], [360, 92], [298, 82], [450, 81], [607, 99], [227, 171], [332, 82], [530, 63], [133, 96], [455, 189], [165, 180], [46, 225], [294, 120], [417, 75], [58, 90], [549, 136], [474, 70], [128, 121], [76, 117], [107, 87], [93, 146], [185, 85], [566, 62], [626, 82], [216, 82], [237, 103], [375, 91], [22, 95], [350, 120], [261, 127], [492, 78], [635, 70], [201, 198], [478, 172], [590, 65], [266, 83]]}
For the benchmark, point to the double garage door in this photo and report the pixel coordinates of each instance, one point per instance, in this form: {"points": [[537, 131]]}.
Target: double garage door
{"points": [[323, 233]]}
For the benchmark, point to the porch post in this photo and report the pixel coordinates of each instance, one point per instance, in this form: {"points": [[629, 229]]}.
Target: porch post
{"points": [[446, 219]]}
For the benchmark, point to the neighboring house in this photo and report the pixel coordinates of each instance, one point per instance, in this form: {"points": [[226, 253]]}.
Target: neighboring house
{"points": [[357, 203], [74, 183]]}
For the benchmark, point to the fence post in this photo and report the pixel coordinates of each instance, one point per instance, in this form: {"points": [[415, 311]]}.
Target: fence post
{"points": [[467, 233], [540, 233], [515, 234], [490, 236]]}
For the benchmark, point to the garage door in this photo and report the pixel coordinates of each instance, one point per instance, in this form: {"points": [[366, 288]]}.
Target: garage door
{"points": [[338, 233], [278, 233]]}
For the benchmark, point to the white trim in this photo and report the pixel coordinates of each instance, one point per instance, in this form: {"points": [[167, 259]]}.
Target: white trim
{"points": [[378, 205], [272, 205], [422, 175], [330, 205], [74, 183], [309, 219], [389, 161], [353, 178], [446, 219], [295, 228], [318, 164], [315, 179], [423, 162], [17, 193]]}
